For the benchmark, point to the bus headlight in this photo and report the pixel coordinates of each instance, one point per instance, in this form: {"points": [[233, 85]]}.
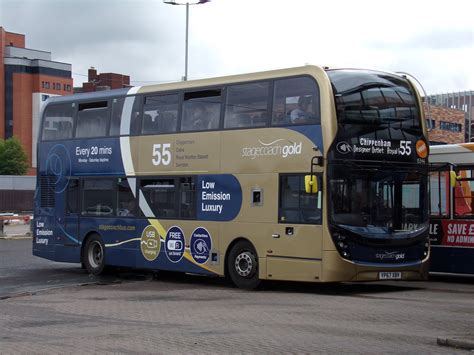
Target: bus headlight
{"points": [[342, 245], [426, 248]]}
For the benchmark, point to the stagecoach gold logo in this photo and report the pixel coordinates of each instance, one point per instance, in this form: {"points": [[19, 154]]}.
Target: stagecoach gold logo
{"points": [[280, 147], [150, 243], [394, 255]]}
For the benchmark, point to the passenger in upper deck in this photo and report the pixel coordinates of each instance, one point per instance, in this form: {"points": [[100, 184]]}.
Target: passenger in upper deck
{"points": [[302, 114], [200, 118]]}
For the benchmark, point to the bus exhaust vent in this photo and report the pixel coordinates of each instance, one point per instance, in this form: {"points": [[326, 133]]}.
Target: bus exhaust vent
{"points": [[47, 191]]}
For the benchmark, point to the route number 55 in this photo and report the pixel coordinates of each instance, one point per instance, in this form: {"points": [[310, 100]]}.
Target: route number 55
{"points": [[405, 148], [161, 154]]}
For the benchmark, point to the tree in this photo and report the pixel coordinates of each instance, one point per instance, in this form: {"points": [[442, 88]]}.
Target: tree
{"points": [[13, 159]]}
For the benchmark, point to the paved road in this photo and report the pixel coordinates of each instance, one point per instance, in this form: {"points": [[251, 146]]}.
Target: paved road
{"points": [[189, 314], [22, 273]]}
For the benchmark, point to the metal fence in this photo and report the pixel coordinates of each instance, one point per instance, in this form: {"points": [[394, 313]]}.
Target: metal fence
{"points": [[16, 193]]}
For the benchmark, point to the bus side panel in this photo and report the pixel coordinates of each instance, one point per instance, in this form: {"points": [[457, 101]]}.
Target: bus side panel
{"points": [[51, 240], [288, 257], [452, 247], [452, 260], [293, 269], [128, 243]]}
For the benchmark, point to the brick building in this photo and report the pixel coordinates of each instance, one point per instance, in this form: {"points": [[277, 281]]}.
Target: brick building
{"points": [[104, 81], [462, 100], [446, 125], [27, 78]]}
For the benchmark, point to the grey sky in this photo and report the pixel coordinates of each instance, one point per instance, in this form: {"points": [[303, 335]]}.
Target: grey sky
{"points": [[432, 40]]}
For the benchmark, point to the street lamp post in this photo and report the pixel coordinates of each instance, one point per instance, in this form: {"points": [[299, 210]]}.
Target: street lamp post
{"points": [[187, 3]]}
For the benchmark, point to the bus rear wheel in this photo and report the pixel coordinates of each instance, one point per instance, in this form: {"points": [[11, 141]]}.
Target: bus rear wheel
{"points": [[242, 265], [94, 255]]}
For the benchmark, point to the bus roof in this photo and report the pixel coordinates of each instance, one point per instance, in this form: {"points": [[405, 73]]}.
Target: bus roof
{"points": [[106, 94], [316, 71], [452, 153]]}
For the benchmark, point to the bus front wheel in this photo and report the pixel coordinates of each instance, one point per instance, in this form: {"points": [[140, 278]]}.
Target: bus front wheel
{"points": [[94, 255], [242, 265]]}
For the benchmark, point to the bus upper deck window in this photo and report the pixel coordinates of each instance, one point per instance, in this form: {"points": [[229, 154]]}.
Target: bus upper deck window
{"points": [[201, 110], [92, 119], [247, 105], [296, 101], [117, 106], [58, 122], [160, 114]]}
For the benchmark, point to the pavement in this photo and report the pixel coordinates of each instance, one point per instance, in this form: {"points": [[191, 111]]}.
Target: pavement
{"points": [[16, 231], [464, 342]]}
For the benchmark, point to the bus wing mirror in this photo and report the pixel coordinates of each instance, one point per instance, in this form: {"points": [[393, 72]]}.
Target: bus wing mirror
{"points": [[311, 184], [453, 178]]}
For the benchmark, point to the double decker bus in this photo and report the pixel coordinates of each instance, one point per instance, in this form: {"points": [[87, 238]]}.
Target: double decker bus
{"points": [[302, 174], [452, 208]]}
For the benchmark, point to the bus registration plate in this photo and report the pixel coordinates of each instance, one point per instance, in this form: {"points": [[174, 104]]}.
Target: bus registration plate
{"points": [[390, 275]]}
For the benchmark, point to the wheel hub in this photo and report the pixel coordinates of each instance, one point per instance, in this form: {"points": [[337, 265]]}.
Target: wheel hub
{"points": [[245, 264], [95, 255]]}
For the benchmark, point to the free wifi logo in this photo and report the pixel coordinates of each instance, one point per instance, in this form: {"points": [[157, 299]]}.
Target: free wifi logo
{"points": [[421, 149]]}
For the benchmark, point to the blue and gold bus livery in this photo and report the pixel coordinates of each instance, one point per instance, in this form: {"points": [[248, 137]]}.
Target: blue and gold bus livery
{"points": [[211, 177]]}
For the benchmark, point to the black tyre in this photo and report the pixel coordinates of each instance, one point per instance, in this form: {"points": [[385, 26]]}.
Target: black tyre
{"points": [[93, 256], [242, 265]]}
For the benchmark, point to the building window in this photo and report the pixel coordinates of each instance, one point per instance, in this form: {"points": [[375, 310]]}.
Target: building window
{"points": [[430, 123], [450, 126]]}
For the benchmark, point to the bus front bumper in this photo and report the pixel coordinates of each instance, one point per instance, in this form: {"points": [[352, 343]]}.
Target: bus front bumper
{"points": [[337, 269]]}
